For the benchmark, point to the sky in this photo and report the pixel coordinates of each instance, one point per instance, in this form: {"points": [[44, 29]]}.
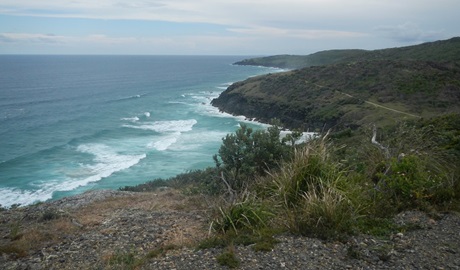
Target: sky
{"points": [[216, 27]]}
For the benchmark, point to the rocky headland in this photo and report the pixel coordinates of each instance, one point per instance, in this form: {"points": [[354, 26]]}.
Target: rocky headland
{"points": [[351, 88], [343, 90]]}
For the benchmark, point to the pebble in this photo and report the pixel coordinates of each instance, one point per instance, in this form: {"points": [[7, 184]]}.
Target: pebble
{"points": [[137, 230]]}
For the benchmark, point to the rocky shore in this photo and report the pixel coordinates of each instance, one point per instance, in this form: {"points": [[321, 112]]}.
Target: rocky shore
{"points": [[161, 230]]}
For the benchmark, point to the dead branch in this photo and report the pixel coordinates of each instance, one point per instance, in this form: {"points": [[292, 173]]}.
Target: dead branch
{"points": [[379, 145], [230, 190]]}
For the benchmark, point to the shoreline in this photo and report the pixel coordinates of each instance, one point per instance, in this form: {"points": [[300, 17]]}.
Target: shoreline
{"points": [[59, 194]]}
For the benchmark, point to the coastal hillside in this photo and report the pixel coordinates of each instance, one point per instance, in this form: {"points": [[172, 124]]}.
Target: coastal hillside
{"points": [[439, 51], [352, 93]]}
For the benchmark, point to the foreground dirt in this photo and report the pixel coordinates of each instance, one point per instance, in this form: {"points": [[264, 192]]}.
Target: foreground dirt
{"points": [[122, 230]]}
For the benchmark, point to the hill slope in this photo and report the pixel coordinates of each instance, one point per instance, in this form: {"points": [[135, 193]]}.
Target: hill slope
{"points": [[354, 93], [439, 51]]}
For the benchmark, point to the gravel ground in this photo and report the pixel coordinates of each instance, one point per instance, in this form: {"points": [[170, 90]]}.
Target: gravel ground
{"points": [[109, 229]]}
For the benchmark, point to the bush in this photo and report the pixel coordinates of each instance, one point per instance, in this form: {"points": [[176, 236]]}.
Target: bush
{"points": [[197, 181], [247, 154], [411, 184]]}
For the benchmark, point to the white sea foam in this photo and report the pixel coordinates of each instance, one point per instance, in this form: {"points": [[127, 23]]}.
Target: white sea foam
{"points": [[205, 108], [306, 136], [131, 119], [170, 130], [178, 102], [147, 114], [10, 196], [127, 98], [106, 161], [252, 121], [193, 142], [166, 126], [224, 86], [163, 143]]}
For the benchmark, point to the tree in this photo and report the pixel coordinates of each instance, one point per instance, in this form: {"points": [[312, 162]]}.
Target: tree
{"points": [[247, 153]]}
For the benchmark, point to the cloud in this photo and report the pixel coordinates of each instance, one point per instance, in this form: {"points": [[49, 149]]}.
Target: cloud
{"points": [[103, 44], [236, 13], [409, 32], [274, 32], [271, 26], [57, 39], [31, 38]]}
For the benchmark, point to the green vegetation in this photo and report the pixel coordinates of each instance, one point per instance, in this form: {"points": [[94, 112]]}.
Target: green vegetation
{"points": [[248, 153], [247, 214], [228, 258], [330, 188], [344, 95], [352, 88], [340, 183], [132, 260], [125, 260], [445, 50], [160, 251], [192, 182]]}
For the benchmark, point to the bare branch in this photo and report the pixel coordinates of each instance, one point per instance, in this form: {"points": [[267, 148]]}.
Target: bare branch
{"points": [[230, 191], [379, 145]]}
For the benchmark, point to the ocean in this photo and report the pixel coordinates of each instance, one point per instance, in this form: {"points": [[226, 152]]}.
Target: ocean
{"points": [[74, 123]]}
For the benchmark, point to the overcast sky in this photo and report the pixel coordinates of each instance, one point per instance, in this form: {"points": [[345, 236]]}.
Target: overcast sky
{"points": [[215, 27]]}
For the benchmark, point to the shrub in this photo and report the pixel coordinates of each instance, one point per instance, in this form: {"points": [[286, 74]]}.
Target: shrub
{"points": [[197, 181], [410, 183], [247, 154]]}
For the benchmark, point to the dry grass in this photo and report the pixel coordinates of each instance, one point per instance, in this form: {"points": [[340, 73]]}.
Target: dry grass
{"points": [[161, 201], [37, 236], [184, 230], [185, 236]]}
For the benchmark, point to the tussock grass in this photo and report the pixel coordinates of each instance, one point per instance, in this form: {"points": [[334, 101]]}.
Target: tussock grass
{"points": [[247, 213], [324, 212], [308, 169], [308, 193]]}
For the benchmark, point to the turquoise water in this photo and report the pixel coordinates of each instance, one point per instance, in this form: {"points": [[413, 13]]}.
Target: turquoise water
{"points": [[73, 123]]}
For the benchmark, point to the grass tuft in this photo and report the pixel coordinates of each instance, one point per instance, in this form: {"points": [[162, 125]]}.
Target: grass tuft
{"points": [[246, 214], [228, 258]]}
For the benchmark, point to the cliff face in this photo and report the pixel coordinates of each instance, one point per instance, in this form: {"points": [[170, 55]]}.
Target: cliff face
{"points": [[238, 100]]}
